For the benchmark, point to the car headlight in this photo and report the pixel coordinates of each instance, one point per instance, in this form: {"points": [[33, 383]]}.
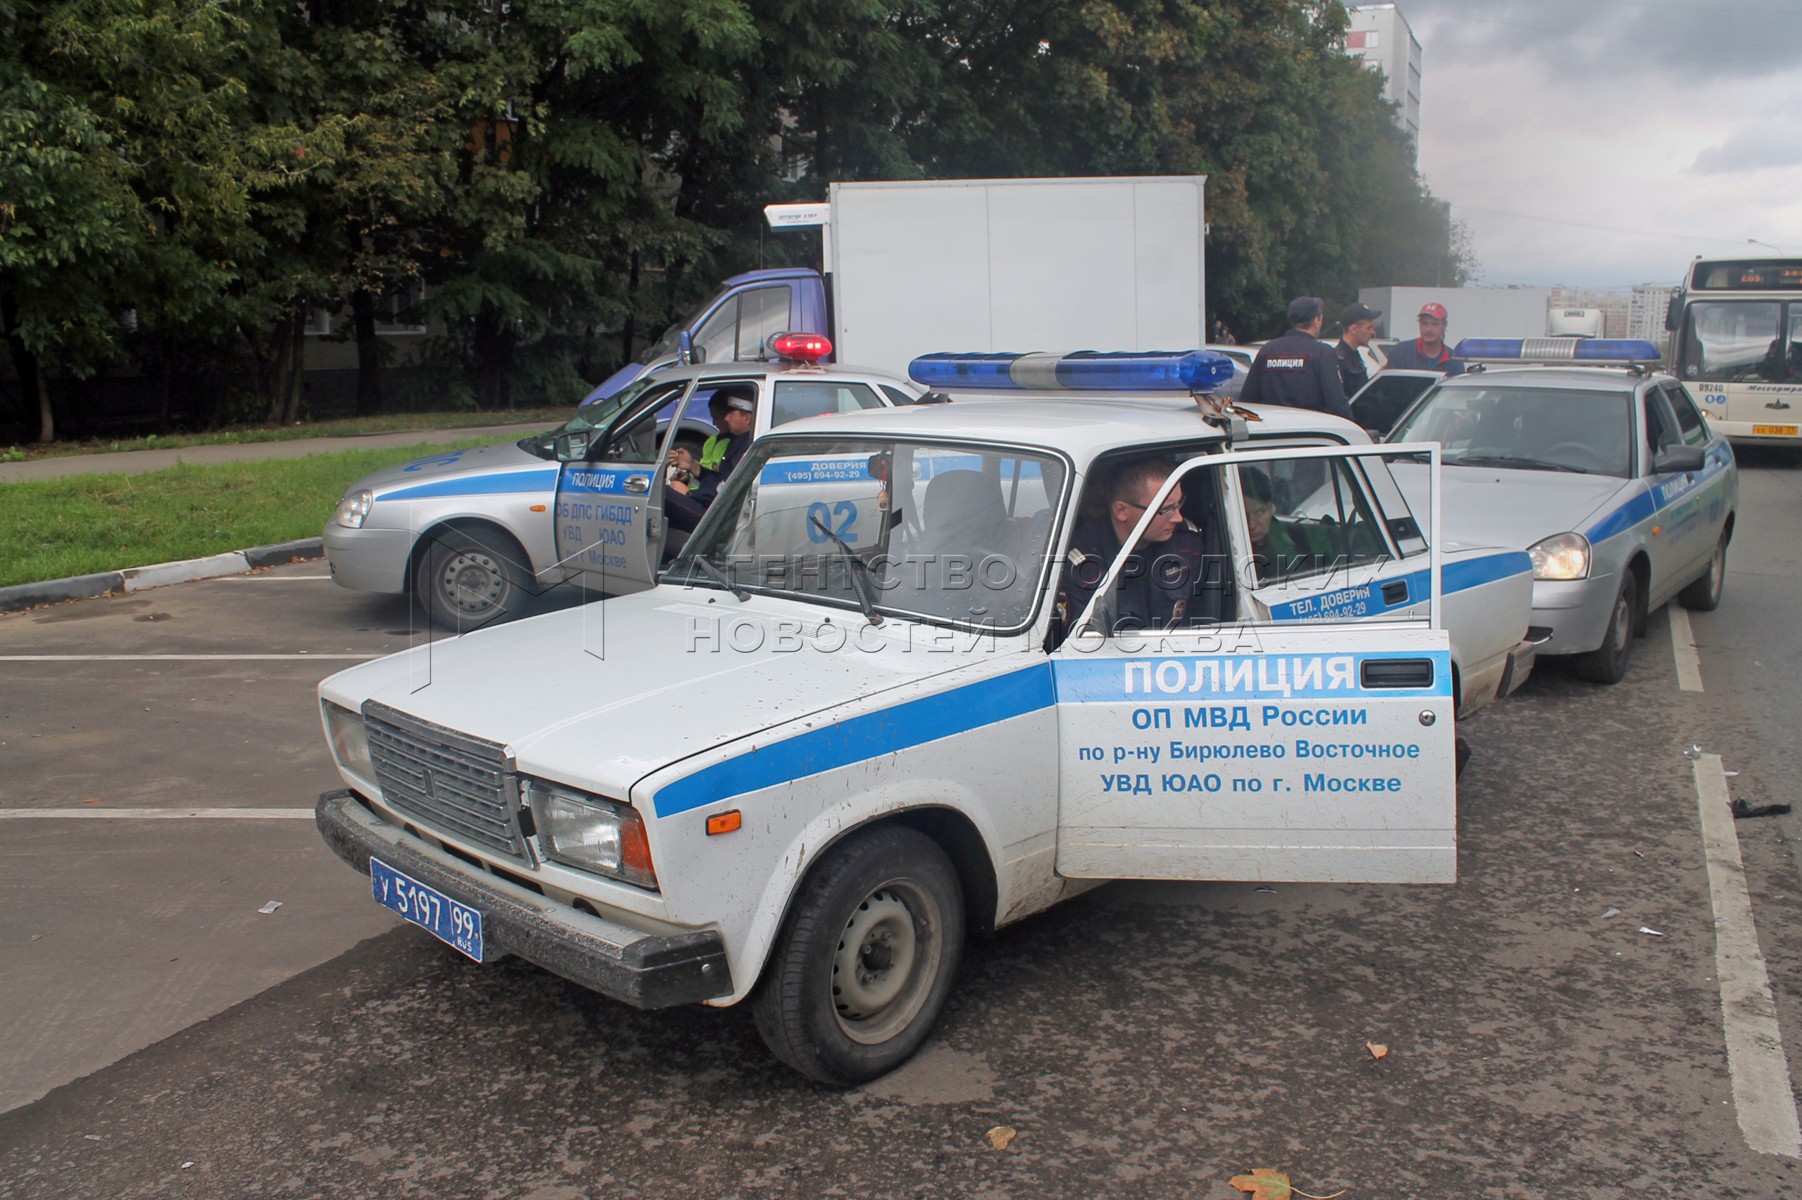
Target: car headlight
{"points": [[589, 833], [354, 508], [1561, 556], [349, 742]]}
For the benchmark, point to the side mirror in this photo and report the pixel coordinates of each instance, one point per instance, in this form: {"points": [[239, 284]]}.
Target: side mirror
{"points": [[1676, 460], [572, 447], [1673, 313]]}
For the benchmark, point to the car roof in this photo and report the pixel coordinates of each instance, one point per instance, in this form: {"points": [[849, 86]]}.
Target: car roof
{"points": [[1085, 424]]}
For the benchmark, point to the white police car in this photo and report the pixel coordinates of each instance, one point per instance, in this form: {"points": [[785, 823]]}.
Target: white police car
{"points": [[1608, 474], [475, 534], [843, 729]]}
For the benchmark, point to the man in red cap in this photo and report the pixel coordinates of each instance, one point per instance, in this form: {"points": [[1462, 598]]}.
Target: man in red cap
{"points": [[1427, 352]]}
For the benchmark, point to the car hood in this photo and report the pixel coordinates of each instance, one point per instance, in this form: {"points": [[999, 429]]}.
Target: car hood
{"points": [[423, 476], [606, 693], [1491, 506]]}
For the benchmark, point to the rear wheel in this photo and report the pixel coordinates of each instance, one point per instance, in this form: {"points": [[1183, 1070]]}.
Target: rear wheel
{"points": [[1704, 593], [865, 960], [1608, 663], [468, 579]]}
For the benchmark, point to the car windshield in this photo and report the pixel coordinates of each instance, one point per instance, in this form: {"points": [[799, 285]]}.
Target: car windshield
{"points": [[666, 345], [946, 533], [1524, 427], [588, 419]]}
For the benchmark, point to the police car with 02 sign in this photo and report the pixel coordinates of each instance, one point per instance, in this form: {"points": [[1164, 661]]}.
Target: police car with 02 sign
{"points": [[844, 727], [1607, 474], [476, 534]]}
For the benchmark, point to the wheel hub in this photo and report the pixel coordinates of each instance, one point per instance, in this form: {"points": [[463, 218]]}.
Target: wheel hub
{"points": [[473, 583], [875, 958]]}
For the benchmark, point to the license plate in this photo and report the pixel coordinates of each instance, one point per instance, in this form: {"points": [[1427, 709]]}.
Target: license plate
{"points": [[456, 925], [1774, 430]]}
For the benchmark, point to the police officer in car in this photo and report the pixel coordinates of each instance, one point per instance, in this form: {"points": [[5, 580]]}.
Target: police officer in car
{"points": [[1172, 578], [1298, 369], [689, 490]]}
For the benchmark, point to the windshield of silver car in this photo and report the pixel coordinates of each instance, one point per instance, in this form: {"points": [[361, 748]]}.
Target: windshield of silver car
{"points": [[1583, 430]]}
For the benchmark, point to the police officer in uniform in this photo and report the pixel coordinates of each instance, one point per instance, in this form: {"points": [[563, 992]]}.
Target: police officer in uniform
{"points": [[1298, 369], [1166, 583], [1357, 324], [687, 495]]}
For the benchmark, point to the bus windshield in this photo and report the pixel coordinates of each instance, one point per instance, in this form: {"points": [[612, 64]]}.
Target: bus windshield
{"points": [[1741, 341]]}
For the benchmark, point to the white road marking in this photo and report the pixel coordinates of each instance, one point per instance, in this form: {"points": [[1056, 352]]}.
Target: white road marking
{"points": [[178, 657], [1683, 643], [270, 578], [157, 814], [1755, 1060]]}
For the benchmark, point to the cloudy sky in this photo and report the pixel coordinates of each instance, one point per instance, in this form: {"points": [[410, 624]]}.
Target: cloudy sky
{"points": [[1603, 143]]}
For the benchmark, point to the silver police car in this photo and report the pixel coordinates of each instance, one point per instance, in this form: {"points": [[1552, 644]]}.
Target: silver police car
{"points": [[1606, 473]]}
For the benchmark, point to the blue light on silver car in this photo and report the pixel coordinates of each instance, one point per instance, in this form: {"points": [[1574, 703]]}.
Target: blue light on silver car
{"points": [[1589, 351]]}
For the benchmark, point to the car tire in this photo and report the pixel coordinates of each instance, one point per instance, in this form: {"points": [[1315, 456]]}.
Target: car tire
{"points": [[467, 579], [1704, 593], [1608, 662], [865, 959]]}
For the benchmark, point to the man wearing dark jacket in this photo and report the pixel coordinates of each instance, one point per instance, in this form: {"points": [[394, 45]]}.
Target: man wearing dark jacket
{"points": [[1359, 325], [1298, 369]]}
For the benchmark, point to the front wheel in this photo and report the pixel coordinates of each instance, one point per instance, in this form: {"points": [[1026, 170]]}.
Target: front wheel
{"points": [[1704, 593], [1608, 662], [470, 579], [865, 960]]}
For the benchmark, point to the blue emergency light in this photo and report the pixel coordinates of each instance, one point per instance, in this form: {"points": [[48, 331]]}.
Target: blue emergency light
{"points": [[1590, 351], [1185, 371]]}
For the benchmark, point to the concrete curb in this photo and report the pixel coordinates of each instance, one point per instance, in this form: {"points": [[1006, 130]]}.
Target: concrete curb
{"points": [[136, 579]]}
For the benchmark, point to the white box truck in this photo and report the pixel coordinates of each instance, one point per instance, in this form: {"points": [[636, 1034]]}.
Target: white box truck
{"points": [[915, 267]]}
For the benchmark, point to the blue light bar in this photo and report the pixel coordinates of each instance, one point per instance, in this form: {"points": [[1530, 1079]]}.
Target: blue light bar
{"points": [[1185, 371], [1593, 351]]}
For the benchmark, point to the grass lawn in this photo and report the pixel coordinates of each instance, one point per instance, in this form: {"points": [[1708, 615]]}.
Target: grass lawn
{"points": [[348, 427], [85, 524]]}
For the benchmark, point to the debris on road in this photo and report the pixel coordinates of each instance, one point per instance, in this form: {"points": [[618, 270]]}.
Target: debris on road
{"points": [[270, 907], [1000, 1136], [1377, 1049], [1611, 912], [1742, 810], [1266, 1184], [1650, 930]]}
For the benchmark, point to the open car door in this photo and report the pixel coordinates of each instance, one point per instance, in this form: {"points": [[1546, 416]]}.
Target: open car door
{"points": [[1259, 750], [610, 523]]}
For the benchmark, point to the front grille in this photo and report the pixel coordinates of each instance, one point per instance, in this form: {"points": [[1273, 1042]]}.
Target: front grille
{"points": [[452, 783]]}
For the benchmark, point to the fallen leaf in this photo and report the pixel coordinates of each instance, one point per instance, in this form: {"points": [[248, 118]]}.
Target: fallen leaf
{"points": [[1377, 1049], [1000, 1136], [94, 800], [1265, 1184]]}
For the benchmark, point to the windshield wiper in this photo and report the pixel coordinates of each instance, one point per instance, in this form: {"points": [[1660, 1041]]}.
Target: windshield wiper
{"points": [[859, 580], [718, 576], [1519, 464]]}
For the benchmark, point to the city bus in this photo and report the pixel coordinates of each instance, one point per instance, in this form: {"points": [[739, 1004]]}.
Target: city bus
{"points": [[1737, 344]]}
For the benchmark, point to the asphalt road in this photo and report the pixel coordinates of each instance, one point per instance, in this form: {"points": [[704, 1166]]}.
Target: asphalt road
{"points": [[1579, 1014]]}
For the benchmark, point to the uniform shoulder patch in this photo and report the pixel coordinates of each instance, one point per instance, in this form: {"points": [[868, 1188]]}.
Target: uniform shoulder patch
{"points": [[1076, 558]]}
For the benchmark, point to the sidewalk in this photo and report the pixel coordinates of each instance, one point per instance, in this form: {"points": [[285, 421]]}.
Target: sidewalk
{"points": [[133, 578], [133, 462]]}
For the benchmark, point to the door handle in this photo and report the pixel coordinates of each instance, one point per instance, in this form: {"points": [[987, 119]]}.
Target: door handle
{"points": [[1395, 592], [638, 485], [1396, 673]]}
